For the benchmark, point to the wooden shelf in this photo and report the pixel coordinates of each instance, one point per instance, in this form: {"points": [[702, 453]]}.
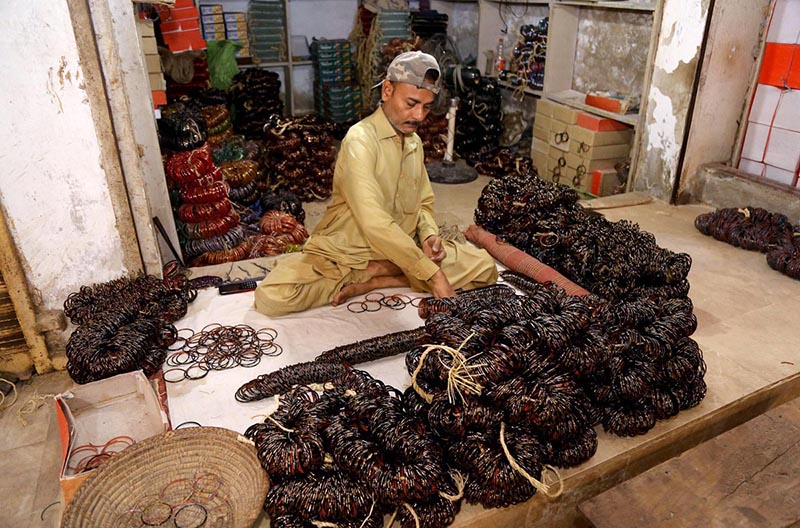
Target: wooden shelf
{"points": [[302, 63], [529, 91], [627, 6], [576, 100]]}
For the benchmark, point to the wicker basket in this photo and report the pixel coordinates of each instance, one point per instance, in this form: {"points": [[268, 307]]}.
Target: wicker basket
{"points": [[201, 476]]}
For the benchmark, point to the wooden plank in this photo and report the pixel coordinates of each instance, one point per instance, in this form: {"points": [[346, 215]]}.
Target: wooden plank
{"points": [[577, 100], [618, 200], [561, 45], [748, 476]]}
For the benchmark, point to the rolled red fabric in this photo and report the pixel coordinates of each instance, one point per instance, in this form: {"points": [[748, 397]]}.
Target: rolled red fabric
{"points": [[519, 261]]}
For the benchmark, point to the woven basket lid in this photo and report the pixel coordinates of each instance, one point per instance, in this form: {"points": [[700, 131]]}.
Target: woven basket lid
{"points": [[200, 476]]}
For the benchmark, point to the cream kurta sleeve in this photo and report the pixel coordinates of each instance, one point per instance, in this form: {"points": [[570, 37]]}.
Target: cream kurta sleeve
{"points": [[426, 225], [366, 201]]}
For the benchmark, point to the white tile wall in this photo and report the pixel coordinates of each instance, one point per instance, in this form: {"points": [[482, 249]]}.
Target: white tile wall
{"points": [[779, 175], [765, 103], [788, 115], [755, 142], [785, 25], [752, 167], [783, 150]]}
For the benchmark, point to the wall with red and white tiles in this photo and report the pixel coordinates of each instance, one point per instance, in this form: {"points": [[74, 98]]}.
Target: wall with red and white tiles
{"points": [[771, 149]]}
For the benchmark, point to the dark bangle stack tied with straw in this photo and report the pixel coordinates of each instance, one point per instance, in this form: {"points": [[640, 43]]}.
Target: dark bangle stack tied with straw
{"points": [[757, 229], [124, 325], [615, 260], [350, 455], [510, 386]]}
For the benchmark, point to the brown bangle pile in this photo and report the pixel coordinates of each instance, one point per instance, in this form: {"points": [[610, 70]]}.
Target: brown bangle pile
{"points": [[299, 157], [757, 229], [615, 260], [124, 325], [350, 455]]}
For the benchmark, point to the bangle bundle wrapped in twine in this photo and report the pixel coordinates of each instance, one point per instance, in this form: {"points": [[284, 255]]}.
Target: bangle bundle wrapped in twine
{"points": [[757, 229], [615, 260], [350, 455], [124, 325], [511, 389]]}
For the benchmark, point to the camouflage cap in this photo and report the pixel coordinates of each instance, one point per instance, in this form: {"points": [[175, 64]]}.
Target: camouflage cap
{"points": [[412, 67]]}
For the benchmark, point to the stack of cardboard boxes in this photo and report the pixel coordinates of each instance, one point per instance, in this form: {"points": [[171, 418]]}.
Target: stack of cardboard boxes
{"points": [[578, 149], [180, 26], [337, 95], [221, 25], [155, 73]]}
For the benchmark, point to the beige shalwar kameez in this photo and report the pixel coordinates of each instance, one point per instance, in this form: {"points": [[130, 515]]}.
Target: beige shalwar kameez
{"points": [[381, 209]]}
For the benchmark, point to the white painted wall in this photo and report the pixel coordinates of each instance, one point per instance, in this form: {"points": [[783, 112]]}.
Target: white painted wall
{"points": [[53, 190]]}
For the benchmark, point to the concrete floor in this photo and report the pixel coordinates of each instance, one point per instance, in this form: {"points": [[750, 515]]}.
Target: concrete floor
{"points": [[742, 306]]}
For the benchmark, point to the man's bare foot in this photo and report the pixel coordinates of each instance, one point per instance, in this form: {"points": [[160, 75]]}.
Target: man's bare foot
{"points": [[383, 268], [360, 288], [351, 290]]}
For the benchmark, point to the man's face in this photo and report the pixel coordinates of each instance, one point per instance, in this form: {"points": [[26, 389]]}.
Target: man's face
{"points": [[405, 105]]}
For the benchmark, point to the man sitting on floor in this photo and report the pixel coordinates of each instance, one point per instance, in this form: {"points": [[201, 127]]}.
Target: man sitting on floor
{"points": [[379, 231]]}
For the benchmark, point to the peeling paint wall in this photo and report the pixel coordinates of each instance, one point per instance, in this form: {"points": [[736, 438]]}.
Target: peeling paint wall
{"points": [[53, 189], [462, 27], [737, 27], [667, 103], [611, 50]]}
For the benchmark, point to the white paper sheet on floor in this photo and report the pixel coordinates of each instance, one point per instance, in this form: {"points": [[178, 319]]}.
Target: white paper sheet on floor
{"points": [[211, 402]]}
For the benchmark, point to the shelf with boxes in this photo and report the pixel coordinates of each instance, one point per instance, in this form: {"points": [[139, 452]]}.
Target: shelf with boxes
{"points": [[152, 61], [579, 149], [597, 63], [603, 48]]}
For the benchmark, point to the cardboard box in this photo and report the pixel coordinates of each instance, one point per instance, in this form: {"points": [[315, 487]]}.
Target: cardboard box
{"points": [[213, 27], [577, 178], [540, 161], [183, 13], [545, 107], [95, 413], [233, 16], [576, 161], [214, 35], [604, 182], [542, 121], [234, 34], [593, 122], [213, 19], [565, 114], [184, 41], [611, 104], [149, 45], [540, 133], [559, 135], [211, 9], [157, 81], [180, 25], [145, 28], [598, 138], [600, 152], [239, 25], [159, 98], [153, 63]]}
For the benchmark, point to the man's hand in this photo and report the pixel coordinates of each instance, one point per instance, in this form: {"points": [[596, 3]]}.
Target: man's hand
{"points": [[433, 248], [440, 286]]}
